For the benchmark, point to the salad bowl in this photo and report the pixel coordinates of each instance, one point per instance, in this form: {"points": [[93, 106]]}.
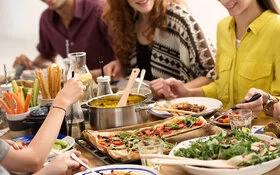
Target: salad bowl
{"points": [[256, 169]]}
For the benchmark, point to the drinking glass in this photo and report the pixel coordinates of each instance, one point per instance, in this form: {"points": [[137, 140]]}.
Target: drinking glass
{"points": [[150, 146], [240, 118]]}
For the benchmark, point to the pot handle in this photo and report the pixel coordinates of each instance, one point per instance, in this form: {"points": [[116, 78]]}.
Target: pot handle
{"points": [[147, 105]]}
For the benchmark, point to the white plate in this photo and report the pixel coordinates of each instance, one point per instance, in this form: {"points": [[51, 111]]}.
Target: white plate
{"points": [[254, 169], [69, 140], [211, 104], [135, 169]]}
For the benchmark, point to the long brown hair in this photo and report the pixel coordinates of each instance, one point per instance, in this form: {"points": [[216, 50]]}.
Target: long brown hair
{"points": [[272, 5], [121, 17]]}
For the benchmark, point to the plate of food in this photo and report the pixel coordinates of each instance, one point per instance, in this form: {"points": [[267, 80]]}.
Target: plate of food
{"points": [[127, 169], [222, 120], [253, 153], [194, 106], [123, 145], [62, 143]]}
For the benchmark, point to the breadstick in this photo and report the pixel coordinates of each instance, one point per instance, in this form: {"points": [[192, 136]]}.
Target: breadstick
{"points": [[43, 88], [173, 110]]}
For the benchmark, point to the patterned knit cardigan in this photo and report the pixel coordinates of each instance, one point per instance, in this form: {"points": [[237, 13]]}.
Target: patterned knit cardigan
{"points": [[183, 52]]}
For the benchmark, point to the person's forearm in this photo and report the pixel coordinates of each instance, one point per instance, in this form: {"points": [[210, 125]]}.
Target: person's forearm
{"points": [[42, 62], [32, 158], [198, 82], [195, 92]]}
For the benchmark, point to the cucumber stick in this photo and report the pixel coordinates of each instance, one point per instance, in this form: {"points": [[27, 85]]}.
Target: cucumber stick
{"points": [[15, 86], [35, 92]]}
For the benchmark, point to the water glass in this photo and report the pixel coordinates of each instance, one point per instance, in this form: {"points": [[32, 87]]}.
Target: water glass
{"points": [[240, 118], [150, 146]]}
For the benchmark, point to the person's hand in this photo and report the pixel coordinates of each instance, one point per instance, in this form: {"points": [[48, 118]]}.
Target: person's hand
{"points": [[72, 91], [16, 145], [257, 105], [276, 111], [63, 164], [169, 88], [113, 69], [22, 59]]}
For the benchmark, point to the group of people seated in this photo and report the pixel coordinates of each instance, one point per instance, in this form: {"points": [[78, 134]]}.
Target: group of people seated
{"points": [[162, 37]]}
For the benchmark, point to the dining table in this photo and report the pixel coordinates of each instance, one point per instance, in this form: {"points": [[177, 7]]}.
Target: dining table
{"points": [[165, 169]]}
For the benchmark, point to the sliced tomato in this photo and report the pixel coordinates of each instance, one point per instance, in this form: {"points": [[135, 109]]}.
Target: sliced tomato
{"points": [[182, 125], [140, 134], [117, 142], [220, 120], [198, 123], [102, 142]]}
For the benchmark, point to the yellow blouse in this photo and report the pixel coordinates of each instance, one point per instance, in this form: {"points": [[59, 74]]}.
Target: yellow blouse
{"points": [[255, 63]]}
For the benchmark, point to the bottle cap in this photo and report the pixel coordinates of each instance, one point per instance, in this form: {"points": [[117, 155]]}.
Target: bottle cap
{"points": [[102, 79], [6, 87]]}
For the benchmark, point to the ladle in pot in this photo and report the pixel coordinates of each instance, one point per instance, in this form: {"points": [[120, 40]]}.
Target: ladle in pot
{"points": [[133, 76]]}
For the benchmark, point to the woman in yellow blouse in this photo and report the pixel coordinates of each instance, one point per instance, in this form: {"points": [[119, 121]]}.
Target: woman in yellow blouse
{"points": [[248, 55]]}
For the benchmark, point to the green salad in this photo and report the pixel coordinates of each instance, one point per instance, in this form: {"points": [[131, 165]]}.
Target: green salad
{"points": [[240, 147]]}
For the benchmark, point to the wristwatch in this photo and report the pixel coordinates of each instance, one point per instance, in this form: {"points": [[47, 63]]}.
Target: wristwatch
{"points": [[268, 106]]}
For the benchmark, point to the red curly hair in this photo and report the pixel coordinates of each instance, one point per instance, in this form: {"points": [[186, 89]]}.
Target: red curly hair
{"points": [[121, 17]]}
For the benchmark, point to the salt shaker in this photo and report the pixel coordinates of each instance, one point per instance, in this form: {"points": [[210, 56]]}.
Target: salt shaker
{"points": [[104, 87]]}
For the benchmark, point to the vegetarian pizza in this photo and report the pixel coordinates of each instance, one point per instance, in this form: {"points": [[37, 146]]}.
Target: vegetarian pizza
{"points": [[123, 145]]}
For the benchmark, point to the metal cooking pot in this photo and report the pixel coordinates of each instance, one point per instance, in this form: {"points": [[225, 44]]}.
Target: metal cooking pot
{"points": [[105, 118]]}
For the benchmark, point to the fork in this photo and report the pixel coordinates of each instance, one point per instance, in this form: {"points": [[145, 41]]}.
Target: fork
{"points": [[73, 156]]}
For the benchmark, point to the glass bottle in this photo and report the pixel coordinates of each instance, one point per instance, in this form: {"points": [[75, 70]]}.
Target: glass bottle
{"points": [[75, 115], [75, 120], [78, 65], [104, 87]]}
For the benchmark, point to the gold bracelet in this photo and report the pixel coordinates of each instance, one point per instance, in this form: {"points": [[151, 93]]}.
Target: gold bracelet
{"points": [[59, 108]]}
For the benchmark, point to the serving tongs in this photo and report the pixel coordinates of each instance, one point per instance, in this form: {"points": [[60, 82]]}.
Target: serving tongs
{"points": [[174, 160]]}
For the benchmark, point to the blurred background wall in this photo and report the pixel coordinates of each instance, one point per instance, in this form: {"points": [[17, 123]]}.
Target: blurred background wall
{"points": [[19, 25]]}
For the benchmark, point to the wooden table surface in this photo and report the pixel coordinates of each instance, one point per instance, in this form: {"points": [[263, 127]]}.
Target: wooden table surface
{"points": [[165, 170]]}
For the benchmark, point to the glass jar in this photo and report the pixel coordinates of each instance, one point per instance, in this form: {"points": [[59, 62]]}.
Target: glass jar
{"points": [[3, 119], [104, 87]]}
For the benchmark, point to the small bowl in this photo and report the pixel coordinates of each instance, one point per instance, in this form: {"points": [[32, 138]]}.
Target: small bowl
{"points": [[43, 102], [16, 124]]}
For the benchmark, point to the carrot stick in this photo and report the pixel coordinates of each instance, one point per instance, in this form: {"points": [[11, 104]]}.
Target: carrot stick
{"points": [[19, 104], [3, 103], [10, 100], [27, 101]]}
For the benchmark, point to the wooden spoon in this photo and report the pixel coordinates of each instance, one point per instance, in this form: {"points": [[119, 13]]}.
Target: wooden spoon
{"points": [[129, 85], [173, 160]]}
